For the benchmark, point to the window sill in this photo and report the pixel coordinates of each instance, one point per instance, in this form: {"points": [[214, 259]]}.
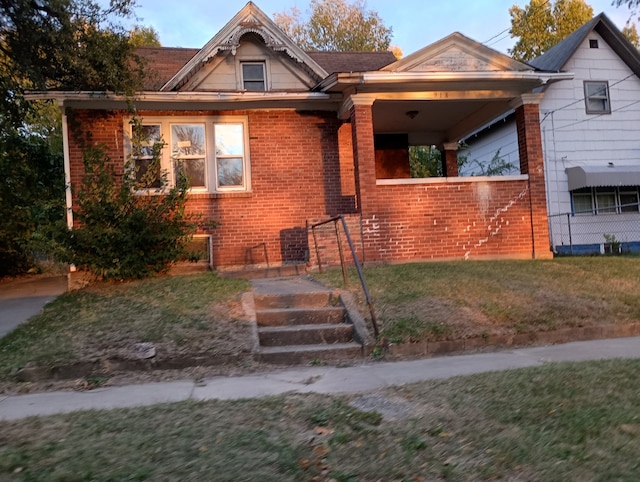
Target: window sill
{"points": [[219, 195]]}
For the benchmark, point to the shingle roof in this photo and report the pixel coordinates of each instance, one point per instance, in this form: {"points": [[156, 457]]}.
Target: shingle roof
{"points": [[554, 59], [164, 62], [334, 62]]}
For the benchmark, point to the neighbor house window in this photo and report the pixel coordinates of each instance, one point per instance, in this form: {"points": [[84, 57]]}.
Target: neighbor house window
{"points": [[210, 152], [628, 200], [146, 156], [605, 200], [582, 200], [596, 97], [253, 76]]}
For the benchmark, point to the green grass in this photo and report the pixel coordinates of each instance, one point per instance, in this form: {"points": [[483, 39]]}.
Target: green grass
{"points": [[570, 421], [461, 299], [181, 313]]}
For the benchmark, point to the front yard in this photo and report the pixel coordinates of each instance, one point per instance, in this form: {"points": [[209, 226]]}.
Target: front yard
{"points": [[448, 301], [201, 316], [183, 316], [570, 421]]}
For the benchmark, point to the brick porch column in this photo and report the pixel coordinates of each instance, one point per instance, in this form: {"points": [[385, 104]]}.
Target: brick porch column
{"points": [[532, 163], [450, 155], [361, 115]]}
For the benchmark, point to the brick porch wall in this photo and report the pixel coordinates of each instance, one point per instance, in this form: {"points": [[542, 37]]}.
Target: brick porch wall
{"points": [[532, 163], [449, 220]]}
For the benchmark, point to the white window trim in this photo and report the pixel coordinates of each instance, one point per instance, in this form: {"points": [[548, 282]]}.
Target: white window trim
{"points": [[606, 96], [253, 59], [166, 164], [602, 211]]}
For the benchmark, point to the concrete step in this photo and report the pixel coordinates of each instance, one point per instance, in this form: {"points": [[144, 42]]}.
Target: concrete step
{"points": [[313, 299], [295, 354], [300, 316], [305, 334], [262, 273]]}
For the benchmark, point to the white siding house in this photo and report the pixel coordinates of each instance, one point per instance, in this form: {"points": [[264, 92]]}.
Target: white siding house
{"points": [[591, 141]]}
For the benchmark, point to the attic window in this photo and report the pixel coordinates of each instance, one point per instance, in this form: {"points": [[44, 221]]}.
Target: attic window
{"points": [[593, 43], [253, 77]]}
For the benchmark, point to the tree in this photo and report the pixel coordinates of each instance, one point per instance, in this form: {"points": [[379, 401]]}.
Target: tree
{"points": [[141, 36], [497, 166], [425, 161], [631, 34], [542, 23], [49, 44], [336, 25]]}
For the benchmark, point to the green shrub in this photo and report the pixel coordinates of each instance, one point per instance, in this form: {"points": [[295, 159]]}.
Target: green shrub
{"points": [[123, 234]]}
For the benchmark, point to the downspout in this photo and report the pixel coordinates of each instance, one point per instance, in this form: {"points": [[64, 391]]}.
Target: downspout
{"points": [[67, 168]]}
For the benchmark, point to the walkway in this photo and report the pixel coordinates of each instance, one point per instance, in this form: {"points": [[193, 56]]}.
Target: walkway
{"points": [[361, 377], [24, 298]]}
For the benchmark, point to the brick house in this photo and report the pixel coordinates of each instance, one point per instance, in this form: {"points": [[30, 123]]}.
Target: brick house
{"points": [[274, 138]]}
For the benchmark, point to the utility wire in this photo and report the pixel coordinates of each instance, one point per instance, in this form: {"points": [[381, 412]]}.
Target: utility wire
{"points": [[582, 99]]}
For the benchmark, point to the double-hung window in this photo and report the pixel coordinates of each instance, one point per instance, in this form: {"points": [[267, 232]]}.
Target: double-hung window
{"points": [[210, 152], [229, 156], [596, 97], [253, 76], [189, 153], [146, 155]]}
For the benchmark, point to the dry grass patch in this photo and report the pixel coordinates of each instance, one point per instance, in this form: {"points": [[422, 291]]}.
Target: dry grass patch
{"points": [[194, 315], [477, 298]]}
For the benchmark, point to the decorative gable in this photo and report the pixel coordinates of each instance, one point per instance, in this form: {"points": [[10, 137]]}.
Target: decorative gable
{"points": [[248, 23], [456, 53]]}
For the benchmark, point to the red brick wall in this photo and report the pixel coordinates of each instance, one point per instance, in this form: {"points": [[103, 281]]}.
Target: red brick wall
{"points": [[302, 169], [449, 220], [532, 163], [296, 175]]}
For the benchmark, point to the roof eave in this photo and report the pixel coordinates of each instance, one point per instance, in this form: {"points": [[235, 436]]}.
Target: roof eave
{"points": [[342, 81], [187, 100]]}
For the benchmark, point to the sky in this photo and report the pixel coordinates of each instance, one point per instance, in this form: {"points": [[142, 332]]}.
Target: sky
{"points": [[415, 23]]}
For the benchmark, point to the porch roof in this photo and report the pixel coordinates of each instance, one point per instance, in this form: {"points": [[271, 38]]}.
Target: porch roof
{"points": [[435, 107]]}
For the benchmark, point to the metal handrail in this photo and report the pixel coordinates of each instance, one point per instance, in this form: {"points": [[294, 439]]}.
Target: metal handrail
{"points": [[363, 282]]}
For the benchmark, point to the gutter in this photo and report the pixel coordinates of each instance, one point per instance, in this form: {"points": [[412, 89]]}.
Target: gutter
{"points": [[169, 97], [380, 77]]}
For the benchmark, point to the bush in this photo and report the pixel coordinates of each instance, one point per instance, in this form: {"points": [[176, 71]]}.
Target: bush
{"points": [[123, 234]]}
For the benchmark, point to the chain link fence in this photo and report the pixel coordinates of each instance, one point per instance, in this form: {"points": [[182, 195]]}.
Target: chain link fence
{"points": [[613, 230]]}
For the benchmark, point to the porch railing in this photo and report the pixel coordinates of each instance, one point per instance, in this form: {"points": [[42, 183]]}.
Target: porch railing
{"points": [[335, 220]]}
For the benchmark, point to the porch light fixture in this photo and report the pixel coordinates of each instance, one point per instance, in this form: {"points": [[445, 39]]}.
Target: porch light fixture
{"points": [[411, 114]]}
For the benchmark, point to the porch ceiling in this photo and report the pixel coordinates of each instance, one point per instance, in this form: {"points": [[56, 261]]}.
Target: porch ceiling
{"points": [[435, 107], [433, 122]]}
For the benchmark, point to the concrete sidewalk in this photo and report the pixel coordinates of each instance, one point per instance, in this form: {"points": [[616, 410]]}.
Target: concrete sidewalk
{"points": [[362, 377], [24, 298]]}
